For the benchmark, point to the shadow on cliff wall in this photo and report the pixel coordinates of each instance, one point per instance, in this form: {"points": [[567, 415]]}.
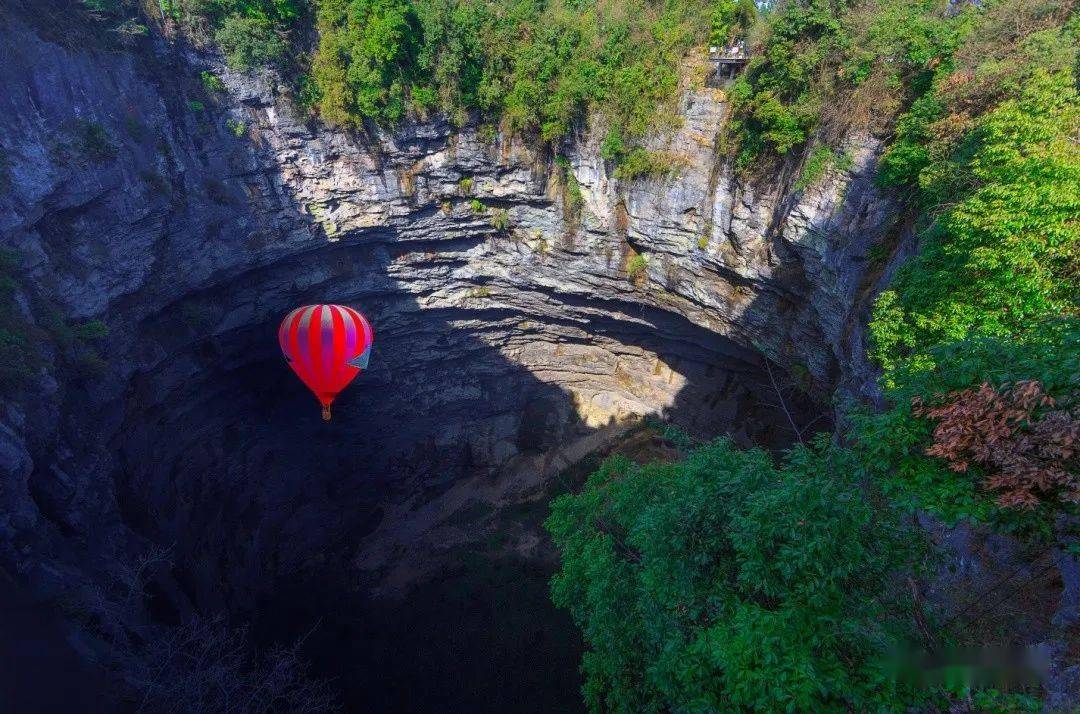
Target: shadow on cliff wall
{"points": [[267, 505], [218, 453]]}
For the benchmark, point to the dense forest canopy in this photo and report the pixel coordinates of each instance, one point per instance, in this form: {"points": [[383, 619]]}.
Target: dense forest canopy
{"points": [[725, 582], [538, 65], [819, 69]]}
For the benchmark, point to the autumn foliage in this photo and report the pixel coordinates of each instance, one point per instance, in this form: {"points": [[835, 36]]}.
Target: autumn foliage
{"points": [[1025, 444]]}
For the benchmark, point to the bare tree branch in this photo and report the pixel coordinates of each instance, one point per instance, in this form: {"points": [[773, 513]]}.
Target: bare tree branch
{"points": [[783, 402]]}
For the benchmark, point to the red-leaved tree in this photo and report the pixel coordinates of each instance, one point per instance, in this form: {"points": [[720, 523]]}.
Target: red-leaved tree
{"points": [[1016, 434]]}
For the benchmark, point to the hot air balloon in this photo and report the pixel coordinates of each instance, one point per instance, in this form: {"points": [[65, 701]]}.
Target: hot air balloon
{"points": [[326, 345]]}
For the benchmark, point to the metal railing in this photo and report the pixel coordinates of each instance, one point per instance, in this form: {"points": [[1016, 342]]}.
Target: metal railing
{"points": [[734, 53]]}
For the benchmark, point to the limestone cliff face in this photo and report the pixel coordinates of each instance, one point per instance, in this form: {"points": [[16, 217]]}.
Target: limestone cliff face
{"points": [[515, 329]]}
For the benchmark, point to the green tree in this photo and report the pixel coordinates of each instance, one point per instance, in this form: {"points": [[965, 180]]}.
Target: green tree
{"points": [[988, 153], [366, 59], [892, 444], [731, 18], [723, 582], [250, 42], [1005, 257]]}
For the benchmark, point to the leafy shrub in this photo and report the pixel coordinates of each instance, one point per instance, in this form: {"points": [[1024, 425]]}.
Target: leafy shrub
{"points": [[5, 172], [134, 128], [500, 219], [211, 82], [642, 163], [1003, 258], [541, 65], [773, 107], [822, 67], [366, 59], [572, 196], [118, 17], [878, 254], [20, 354], [250, 42], [16, 361], [730, 18], [636, 265], [235, 127], [482, 291], [820, 160], [305, 92], [723, 582], [22, 336], [106, 7], [487, 133]]}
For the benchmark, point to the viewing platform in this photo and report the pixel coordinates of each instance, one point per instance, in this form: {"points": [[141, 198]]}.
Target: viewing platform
{"points": [[727, 61]]}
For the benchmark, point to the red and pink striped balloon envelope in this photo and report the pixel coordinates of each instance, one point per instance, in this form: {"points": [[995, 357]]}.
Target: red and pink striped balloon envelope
{"points": [[327, 346]]}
